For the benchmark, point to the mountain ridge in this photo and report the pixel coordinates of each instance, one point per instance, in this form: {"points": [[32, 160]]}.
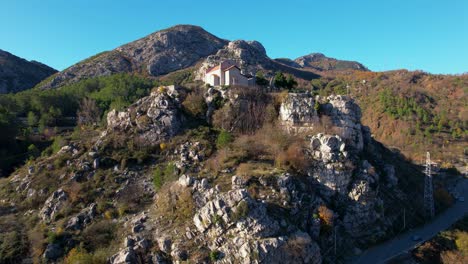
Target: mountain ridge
{"points": [[180, 47], [17, 74]]}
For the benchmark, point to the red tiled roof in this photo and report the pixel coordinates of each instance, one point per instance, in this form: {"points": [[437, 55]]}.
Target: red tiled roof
{"points": [[212, 69], [233, 66]]}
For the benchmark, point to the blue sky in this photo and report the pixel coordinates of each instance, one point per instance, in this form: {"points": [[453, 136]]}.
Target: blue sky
{"points": [[430, 35]]}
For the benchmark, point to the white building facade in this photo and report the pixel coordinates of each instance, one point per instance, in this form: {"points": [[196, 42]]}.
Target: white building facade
{"points": [[227, 73]]}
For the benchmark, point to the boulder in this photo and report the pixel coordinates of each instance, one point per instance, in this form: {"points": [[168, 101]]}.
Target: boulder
{"points": [[53, 204], [153, 119], [125, 256], [82, 219], [53, 252]]}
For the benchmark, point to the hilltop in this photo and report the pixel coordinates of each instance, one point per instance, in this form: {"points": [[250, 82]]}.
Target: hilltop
{"points": [[17, 74]]}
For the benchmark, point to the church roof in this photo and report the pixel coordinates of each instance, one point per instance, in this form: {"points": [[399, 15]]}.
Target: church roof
{"points": [[212, 69]]}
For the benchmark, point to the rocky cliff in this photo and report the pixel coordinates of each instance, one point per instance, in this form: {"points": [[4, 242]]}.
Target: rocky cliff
{"points": [[145, 183], [17, 74]]}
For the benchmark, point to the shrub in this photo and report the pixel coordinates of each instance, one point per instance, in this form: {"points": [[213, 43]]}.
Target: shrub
{"points": [[246, 114], [260, 79], [326, 215], [195, 103], [110, 214], [58, 143], [241, 211], [157, 178], [12, 247], [224, 138], [98, 235], [175, 203], [214, 255]]}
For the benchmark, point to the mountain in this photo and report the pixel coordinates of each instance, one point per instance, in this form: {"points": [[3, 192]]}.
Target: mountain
{"points": [[173, 49], [159, 53], [17, 74], [319, 62]]}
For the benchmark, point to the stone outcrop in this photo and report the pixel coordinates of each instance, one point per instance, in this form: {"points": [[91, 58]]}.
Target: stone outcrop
{"points": [[250, 56], [346, 117], [82, 219], [297, 112], [330, 168], [53, 204], [17, 74], [153, 118]]}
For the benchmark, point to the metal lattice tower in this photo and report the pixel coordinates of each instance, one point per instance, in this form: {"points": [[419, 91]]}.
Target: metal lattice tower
{"points": [[428, 188]]}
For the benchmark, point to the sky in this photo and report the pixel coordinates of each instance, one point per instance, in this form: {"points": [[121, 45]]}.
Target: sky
{"points": [[428, 35]]}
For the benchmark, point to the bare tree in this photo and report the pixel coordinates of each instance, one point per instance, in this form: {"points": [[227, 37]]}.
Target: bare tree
{"points": [[89, 113]]}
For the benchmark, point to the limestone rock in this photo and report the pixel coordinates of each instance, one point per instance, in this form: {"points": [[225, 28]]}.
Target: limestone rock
{"points": [[331, 168], [53, 252], [154, 118], [297, 112], [82, 219], [53, 204], [125, 256]]}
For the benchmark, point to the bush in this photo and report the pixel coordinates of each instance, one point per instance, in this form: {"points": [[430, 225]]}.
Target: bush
{"points": [[241, 211], [246, 114], [224, 138], [58, 143], [80, 256], [195, 103], [98, 235], [158, 178], [214, 255], [327, 216]]}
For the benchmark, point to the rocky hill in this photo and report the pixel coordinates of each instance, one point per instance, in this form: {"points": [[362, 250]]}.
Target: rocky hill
{"points": [[17, 74], [159, 53], [159, 185], [320, 62], [158, 173], [173, 49]]}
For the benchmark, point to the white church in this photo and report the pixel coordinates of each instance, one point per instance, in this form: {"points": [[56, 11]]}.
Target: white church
{"points": [[227, 73]]}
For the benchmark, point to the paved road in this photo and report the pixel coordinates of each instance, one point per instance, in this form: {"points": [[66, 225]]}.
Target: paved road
{"points": [[403, 242]]}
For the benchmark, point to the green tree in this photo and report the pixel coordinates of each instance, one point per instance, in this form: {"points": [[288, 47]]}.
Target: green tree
{"points": [[260, 79], [280, 80], [33, 151], [224, 138], [290, 82], [32, 119]]}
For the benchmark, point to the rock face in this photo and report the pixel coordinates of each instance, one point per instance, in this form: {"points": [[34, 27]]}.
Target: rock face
{"points": [[346, 117], [159, 53], [82, 219], [53, 204], [17, 74], [330, 170], [297, 112], [320, 62], [245, 232], [154, 118], [250, 56]]}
